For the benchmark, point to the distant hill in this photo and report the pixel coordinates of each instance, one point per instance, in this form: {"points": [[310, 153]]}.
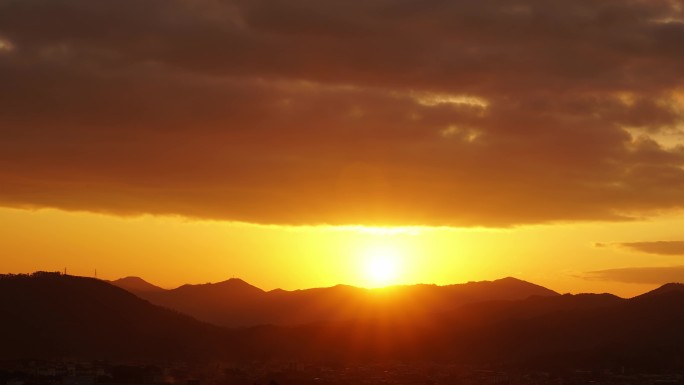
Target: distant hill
{"points": [[594, 331], [136, 285], [49, 315], [235, 303], [53, 315], [666, 290]]}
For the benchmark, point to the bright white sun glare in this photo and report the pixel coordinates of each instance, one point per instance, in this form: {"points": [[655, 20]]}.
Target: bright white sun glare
{"points": [[381, 266]]}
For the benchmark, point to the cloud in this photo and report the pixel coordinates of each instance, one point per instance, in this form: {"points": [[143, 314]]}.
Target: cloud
{"points": [[642, 275], [381, 112], [657, 247], [5, 45]]}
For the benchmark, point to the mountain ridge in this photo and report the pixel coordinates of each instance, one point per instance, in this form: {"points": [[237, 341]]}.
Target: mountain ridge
{"points": [[236, 303], [134, 283], [52, 315], [242, 281]]}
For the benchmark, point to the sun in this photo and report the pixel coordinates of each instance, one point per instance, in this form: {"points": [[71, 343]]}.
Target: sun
{"points": [[381, 265]]}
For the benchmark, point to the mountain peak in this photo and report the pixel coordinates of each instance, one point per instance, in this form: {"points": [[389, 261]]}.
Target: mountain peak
{"points": [[519, 284], [510, 280], [131, 278], [135, 284], [232, 285], [664, 289], [237, 283]]}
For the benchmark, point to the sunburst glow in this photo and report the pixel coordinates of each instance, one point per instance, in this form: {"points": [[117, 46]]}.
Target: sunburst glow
{"points": [[382, 266]]}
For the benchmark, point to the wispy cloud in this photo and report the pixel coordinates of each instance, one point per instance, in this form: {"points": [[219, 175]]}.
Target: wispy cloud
{"points": [[657, 247], [652, 247], [643, 275]]}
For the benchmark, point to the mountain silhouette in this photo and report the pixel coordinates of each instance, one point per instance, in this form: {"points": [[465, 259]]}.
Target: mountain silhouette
{"points": [[668, 289], [54, 315], [136, 285], [235, 303], [568, 331], [48, 315]]}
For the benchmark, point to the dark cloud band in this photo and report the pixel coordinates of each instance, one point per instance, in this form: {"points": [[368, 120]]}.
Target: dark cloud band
{"points": [[378, 112]]}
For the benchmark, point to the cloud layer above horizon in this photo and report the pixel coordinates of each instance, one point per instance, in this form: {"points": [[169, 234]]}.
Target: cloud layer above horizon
{"points": [[656, 247], [639, 275], [377, 112]]}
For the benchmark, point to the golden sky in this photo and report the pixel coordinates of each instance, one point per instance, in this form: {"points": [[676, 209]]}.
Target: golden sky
{"points": [[187, 141], [170, 251]]}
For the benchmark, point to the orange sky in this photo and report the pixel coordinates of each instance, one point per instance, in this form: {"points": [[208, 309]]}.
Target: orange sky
{"points": [[170, 251], [264, 138]]}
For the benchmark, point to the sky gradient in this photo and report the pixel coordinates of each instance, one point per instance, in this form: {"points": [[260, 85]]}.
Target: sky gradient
{"points": [[534, 138]]}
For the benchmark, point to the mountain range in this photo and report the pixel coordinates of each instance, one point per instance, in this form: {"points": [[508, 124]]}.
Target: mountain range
{"points": [[47, 315], [235, 303]]}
